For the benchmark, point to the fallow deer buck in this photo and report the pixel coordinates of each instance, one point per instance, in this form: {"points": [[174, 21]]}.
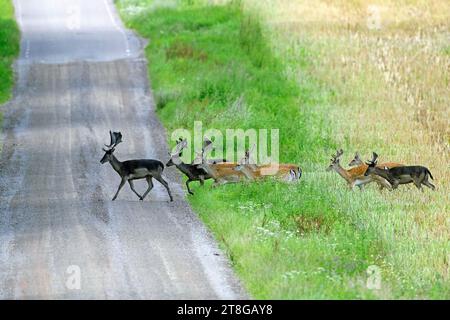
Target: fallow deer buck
{"points": [[134, 169], [192, 171], [400, 175], [355, 176], [357, 161]]}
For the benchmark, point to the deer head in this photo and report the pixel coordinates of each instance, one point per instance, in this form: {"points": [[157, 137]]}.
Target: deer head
{"points": [[175, 156], [356, 160], [371, 164], [335, 160], [116, 138], [108, 155]]}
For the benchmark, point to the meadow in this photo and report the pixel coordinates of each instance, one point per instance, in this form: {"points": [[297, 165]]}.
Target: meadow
{"points": [[9, 49], [358, 75]]}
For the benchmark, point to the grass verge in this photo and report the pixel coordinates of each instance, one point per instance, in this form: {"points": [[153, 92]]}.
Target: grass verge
{"points": [[9, 48], [315, 239]]}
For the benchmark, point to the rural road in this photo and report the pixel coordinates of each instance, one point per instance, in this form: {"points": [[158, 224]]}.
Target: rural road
{"points": [[80, 74]]}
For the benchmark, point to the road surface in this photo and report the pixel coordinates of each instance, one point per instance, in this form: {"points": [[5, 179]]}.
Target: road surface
{"points": [[80, 74]]}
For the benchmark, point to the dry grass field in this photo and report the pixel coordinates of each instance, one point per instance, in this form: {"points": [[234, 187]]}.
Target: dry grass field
{"points": [[387, 64]]}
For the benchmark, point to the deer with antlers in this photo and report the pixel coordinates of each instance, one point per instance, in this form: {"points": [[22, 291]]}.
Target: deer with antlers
{"points": [[134, 169], [418, 175], [191, 171], [357, 161], [355, 176]]}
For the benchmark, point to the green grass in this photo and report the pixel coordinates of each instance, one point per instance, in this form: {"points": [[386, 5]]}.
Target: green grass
{"points": [[9, 48], [314, 239]]}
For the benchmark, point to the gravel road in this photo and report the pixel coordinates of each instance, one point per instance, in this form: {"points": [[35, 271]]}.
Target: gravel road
{"points": [[80, 74]]}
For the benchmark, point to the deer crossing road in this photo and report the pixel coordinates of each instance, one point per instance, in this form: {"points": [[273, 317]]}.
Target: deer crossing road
{"points": [[80, 74]]}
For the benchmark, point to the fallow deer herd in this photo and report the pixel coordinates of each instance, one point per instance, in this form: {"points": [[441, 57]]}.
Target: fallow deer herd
{"points": [[387, 175]]}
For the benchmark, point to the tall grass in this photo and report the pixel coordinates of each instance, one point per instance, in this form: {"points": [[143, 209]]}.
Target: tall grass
{"points": [[9, 48], [316, 239]]}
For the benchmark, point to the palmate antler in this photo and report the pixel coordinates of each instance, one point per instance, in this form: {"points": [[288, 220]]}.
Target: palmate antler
{"points": [[116, 138], [374, 159], [181, 144]]}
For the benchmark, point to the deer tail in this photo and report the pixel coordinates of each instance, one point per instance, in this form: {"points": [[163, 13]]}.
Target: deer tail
{"points": [[429, 173]]}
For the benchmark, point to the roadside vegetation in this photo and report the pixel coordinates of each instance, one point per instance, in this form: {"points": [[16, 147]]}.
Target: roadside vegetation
{"points": [[328, 77], [9, 49]]}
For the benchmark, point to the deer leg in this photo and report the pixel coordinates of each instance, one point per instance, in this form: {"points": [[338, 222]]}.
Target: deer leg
{"points": [[202, 180], [165, 184], [120, 187], [395, 184], [418, 184], [187, 186], [385, 184], [219, 182], [130, 182], [150, 186], [429, 184]]}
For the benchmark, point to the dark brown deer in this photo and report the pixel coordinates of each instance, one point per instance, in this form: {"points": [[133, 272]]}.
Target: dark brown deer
{"points": [[401, 175], [190, 170], [134, 169]]}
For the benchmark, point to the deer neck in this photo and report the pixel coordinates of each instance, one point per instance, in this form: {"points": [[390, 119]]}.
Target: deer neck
{"points": [[343, 173], [116, 164], [183, 167]]}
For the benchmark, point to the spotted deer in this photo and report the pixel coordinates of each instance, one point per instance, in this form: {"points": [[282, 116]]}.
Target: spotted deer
{"points": [[355, 176], [224, 172], [284, 172]]}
